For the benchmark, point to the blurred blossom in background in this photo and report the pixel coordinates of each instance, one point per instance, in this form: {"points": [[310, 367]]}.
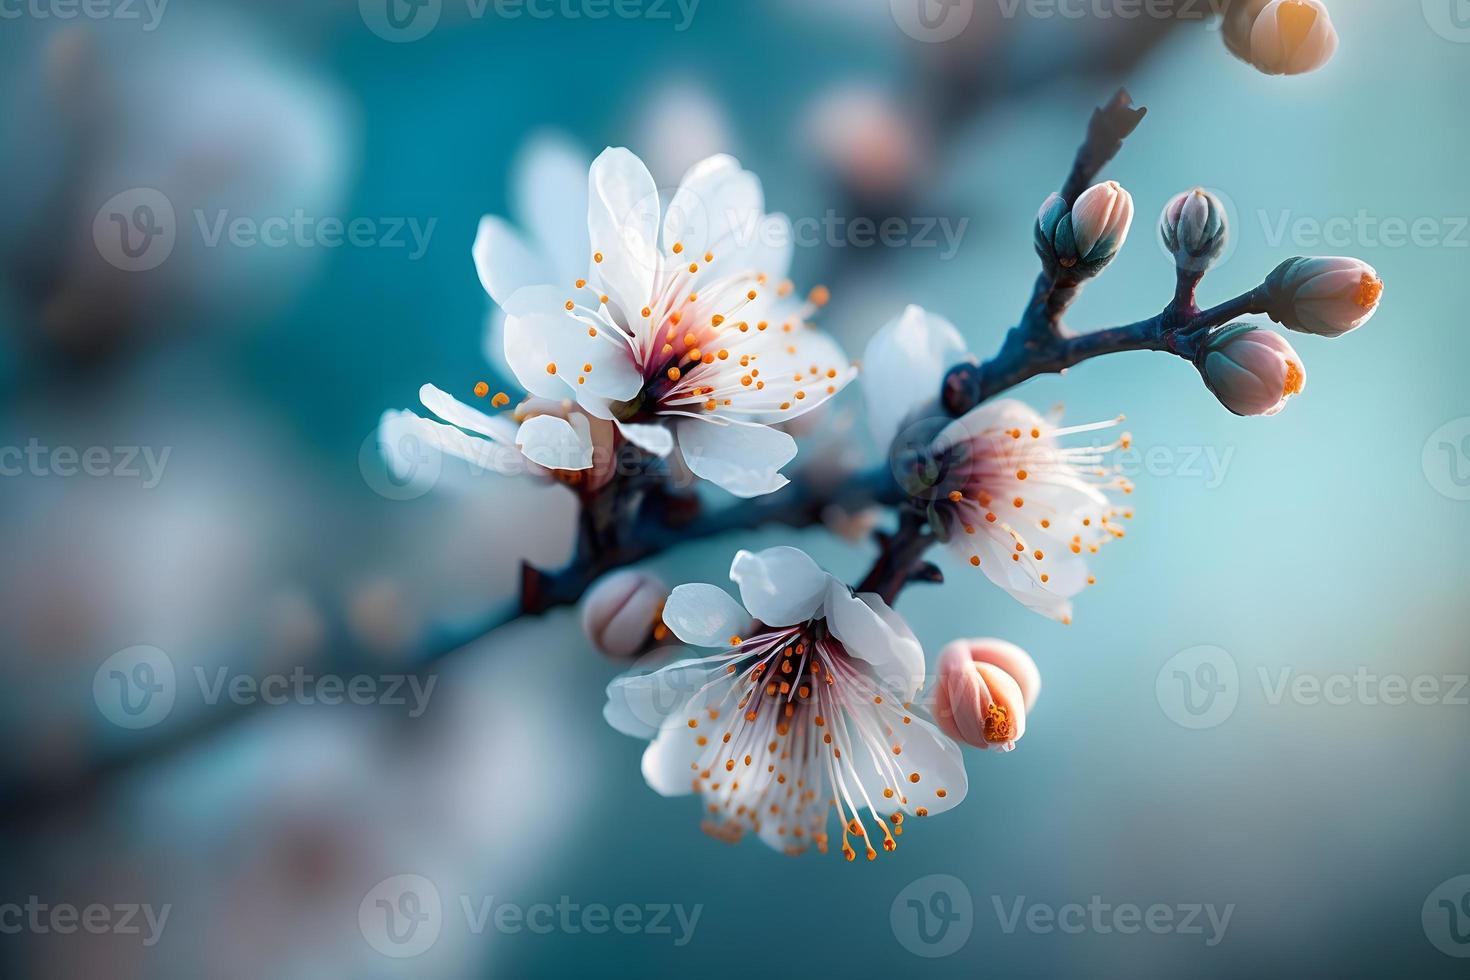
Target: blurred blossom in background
{"points": [[235, 231]]}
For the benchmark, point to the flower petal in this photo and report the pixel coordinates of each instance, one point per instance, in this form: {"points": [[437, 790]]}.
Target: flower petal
{"points": [[874, 633], [505, 261], [455, 412], [656, 439], [670, 763], [704, 615], [641, 700], [745, 459], [549, 190], [552, 351], [779, 586], [718, 210], [904, 368], [556, 443], [411, 446], [622, 224]]}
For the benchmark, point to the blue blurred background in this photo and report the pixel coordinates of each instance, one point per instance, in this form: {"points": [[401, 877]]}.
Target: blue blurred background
{"points": [[1328, 542]]}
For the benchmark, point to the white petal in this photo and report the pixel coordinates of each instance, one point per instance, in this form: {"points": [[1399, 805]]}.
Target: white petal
{"points": [[555, 443], [413, 447], [934, 756], [904, 368], [493, 341], [772, 250], [500, 428], [872, 632], [541, 335], [656, 439], [505, 261], [670, 763], [717, 209], [779, 586], [704, 615], [550, 196], [641, 700], [744, 459], [622, 224]]}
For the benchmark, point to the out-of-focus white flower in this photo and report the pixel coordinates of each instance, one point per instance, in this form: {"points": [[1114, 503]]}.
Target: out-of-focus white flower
{"points": [[680, 122], [620, 614], [808, 713], [1281, 37], [683, 329], [1252, 371], [540, 437], [1327, 297], [548, 196], [904, 367], [1194, 229], [1008, 497], [1086, 237]]}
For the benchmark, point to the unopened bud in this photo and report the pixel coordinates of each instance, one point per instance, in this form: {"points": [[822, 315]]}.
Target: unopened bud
{"points": [[1195, 230], [984, 690], [621, 613], [1083, 239], [1252, 371], [1326, 297], [1281, 37]]}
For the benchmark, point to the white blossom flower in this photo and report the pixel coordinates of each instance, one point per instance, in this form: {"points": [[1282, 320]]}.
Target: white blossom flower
{"points": [[539, 437], [809, 713], [1009, 499], [682, 328]]}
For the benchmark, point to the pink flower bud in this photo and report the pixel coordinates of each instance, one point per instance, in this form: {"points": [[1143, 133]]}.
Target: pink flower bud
{"points": [[1252, 371], [985, 689], [1101, 219], [621, 612], [1194, 229], [1281, 37], [1326, 297]]}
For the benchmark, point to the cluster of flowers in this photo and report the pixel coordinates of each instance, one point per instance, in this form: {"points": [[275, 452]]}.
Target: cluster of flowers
{"points": [[675, 330]]}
